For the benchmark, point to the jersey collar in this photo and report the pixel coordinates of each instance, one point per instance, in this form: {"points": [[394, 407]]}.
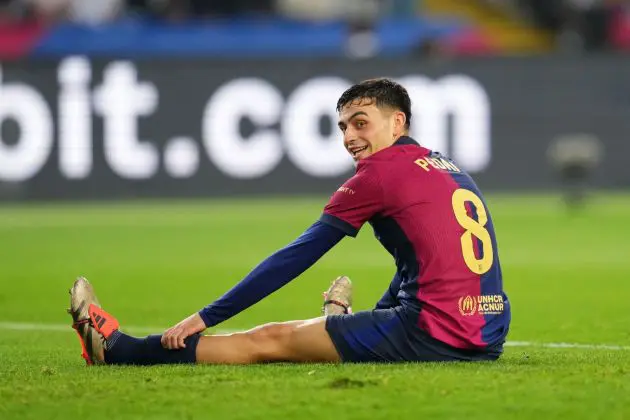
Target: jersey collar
{"points": [[402, 141], [405, 140]]}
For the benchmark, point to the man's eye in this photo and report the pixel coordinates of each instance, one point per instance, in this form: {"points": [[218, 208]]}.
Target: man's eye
{"points": [[361, 124]]}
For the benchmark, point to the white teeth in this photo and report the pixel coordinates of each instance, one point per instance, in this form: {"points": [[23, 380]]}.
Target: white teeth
{"points": [[357, 151]]}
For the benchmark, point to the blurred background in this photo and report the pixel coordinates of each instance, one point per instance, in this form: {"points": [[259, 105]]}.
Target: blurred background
{"points": [[332, 28], [189, 98]]}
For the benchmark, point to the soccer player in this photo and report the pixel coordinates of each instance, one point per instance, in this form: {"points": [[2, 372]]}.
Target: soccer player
{"points": [[445, 303]]}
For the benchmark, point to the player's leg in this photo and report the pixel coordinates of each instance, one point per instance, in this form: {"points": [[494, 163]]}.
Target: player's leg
{"points": [[102, 342], [293, 341], [381, 335]]}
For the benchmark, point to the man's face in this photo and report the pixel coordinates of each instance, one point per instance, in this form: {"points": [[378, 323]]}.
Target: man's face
{"points": [[367, 129]]}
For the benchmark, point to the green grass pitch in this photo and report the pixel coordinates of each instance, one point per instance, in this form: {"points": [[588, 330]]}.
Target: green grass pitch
{"points": [[152, 263]]}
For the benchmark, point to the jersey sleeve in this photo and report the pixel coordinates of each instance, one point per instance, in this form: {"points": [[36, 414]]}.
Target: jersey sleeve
{"points": [[273, 273], [354, 203]]}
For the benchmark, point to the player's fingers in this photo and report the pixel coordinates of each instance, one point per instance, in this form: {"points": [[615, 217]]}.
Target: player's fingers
{"points": [[178, 340], [175, 340], [168, 338], [172, 340], [164, 339]]}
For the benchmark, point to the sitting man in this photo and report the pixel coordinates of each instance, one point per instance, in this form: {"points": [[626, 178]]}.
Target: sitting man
{"points": [[445, 303]]}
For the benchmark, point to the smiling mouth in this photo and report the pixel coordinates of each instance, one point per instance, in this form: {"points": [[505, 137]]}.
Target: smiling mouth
{"points": [[356, 152]]}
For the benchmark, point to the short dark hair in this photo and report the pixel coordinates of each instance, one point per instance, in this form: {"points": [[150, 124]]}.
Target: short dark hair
{"points": [[385, 92]]}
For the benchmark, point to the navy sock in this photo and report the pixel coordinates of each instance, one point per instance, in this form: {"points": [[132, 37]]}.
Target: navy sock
{"points": [[123, 349]]}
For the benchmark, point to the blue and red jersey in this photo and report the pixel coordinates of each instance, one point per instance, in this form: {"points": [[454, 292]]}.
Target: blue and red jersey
{"points": [[431, 217]]}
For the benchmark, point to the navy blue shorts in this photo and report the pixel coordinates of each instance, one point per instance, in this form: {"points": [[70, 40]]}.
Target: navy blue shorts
{"points": [[391, 335]]}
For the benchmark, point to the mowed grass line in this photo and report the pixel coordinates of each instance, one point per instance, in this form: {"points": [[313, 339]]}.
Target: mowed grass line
{"points": [[155, 262]]}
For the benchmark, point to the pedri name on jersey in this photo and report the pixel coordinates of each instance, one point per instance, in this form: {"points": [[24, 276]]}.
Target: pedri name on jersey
{"points": [[438, 163]]}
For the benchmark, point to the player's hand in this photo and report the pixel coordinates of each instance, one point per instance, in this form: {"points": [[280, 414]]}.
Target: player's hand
{"points": [[174, 337]]}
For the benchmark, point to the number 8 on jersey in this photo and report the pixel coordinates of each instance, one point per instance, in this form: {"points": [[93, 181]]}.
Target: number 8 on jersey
{"points": [[473, 227]]}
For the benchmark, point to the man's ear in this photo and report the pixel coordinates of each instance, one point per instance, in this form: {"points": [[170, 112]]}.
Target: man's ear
{"points": [[400, 121]]}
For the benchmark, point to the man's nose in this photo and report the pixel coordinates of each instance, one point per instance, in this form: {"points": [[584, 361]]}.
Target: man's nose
{"points": [[349, 138]]}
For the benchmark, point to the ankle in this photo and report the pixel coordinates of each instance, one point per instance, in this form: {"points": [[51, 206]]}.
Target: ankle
{"points": [[333, 307]]}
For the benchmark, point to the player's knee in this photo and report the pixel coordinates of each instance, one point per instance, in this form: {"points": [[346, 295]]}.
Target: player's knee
{"points": [[271, 341]]}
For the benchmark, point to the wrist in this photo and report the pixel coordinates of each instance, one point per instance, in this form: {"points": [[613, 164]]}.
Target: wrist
{"points": [[204, 319]]}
